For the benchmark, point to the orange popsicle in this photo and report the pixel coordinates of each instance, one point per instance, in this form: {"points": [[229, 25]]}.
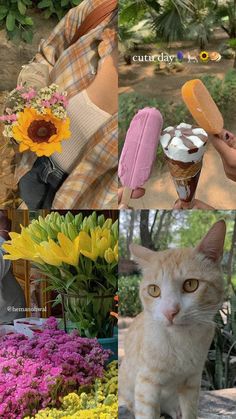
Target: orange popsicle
{"points": [[202, 107]]}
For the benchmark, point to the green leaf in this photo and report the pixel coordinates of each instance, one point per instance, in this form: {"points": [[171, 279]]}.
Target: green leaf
{"points": [[45, 3], [29, 21], [27, 36], [21, 7], [3, 12], [64, 3], [10, 21]]}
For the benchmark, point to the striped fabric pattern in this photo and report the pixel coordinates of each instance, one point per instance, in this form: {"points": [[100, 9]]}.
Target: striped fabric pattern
{"points": [[93, 183], [86, 118]]}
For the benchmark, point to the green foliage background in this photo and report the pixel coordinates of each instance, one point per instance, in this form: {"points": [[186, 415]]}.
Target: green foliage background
{"points": [[15, 15]]}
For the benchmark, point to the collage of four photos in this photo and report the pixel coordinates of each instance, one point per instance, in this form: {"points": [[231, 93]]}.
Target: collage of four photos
{"points": [[118, 209]]}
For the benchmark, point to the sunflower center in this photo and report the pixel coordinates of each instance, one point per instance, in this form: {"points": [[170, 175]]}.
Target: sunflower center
{"points": [[41, 131]]}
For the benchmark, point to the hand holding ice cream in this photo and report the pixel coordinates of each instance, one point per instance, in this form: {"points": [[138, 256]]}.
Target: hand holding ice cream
{"points": [[205, 111]]}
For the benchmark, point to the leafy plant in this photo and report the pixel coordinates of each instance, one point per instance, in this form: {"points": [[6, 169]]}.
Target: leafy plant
{"points": [[226, 14], [129, 302], [220, 371], [13, 15], [232, 44], [55, 7], [17, 22]]}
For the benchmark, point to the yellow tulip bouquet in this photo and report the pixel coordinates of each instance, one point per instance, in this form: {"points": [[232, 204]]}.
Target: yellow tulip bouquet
{"points": [[79, 257]]}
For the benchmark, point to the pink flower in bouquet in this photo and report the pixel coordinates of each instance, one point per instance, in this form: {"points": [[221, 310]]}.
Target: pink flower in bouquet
{"points": [[29, 95], [8, 118]]}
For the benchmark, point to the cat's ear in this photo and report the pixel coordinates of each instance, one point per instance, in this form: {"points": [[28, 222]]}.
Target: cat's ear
{"points": [[212, 245], [141, 254]]}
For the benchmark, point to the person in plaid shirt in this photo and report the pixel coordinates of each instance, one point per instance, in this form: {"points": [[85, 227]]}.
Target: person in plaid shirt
{"points": [[87, 70]]}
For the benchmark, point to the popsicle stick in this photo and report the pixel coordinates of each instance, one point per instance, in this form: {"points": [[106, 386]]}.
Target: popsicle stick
{"points": [[126, 196]]}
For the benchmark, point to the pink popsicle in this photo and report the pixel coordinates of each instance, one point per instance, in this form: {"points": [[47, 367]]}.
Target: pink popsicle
{"points": [[140, 147]]}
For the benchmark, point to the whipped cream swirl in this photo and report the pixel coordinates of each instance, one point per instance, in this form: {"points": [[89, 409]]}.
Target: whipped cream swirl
{"points": [[184, 143]]}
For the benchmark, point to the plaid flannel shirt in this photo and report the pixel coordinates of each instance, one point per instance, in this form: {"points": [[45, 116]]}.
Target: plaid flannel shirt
{"points": [[93, 183]]}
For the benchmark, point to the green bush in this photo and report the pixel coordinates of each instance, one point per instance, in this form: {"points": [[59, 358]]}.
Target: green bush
{"points": [[223, 91], [129, 302], [13, 16], [57, 7], [18, 24]]}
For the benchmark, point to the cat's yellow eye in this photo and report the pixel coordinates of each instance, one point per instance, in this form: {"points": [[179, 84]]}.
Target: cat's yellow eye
{"points": [[154, 291], [190, 285]]}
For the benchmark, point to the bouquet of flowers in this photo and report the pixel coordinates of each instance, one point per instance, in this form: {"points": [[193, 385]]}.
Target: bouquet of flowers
{"points": [[37, 120], [79, 257]]}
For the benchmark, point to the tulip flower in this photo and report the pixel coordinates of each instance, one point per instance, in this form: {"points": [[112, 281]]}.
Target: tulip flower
{"points": [[109, 256], [66, 251], [22, 246]]}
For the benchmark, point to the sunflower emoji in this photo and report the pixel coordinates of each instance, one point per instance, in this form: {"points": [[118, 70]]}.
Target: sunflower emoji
{"points": [[40, 133], [204, 56]]}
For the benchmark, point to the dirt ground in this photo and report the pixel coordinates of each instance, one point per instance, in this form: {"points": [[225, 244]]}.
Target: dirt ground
{"points": [[213, 188]]}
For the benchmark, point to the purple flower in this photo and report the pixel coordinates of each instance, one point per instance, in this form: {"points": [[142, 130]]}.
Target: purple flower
{"points": [[35, 372]]}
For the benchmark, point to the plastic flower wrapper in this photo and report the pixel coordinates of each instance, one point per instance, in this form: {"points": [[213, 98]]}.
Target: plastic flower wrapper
{"points": [[37, 120], [79, 257]]}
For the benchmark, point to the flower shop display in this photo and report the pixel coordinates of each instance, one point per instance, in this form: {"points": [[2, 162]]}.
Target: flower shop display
{"points": [[38, 372], [37, 120], [79, 257], [98, 401]]}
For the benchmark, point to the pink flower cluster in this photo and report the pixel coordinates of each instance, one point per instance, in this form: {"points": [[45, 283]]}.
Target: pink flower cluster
{"points": [[35, 372], [57, 98], [8, 118], [31, 94]]}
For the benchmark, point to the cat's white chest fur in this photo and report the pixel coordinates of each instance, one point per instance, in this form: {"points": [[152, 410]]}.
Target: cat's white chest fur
{"points": [[175, 352]]}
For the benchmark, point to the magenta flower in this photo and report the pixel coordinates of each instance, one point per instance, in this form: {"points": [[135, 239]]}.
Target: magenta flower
{"points": [[35, 373]]}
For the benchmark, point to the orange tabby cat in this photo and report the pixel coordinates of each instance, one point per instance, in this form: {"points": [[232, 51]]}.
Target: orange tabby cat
{"points": [[167, 344]]}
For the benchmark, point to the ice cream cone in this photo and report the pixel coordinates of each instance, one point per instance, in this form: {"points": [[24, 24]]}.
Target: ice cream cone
{"points": [[184, 147], [185, 179]]}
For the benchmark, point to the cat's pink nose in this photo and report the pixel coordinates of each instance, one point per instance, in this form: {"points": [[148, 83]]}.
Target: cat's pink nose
{"points": [[171, 312]]}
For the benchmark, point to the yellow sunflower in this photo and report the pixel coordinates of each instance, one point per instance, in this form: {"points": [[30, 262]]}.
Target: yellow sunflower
{"points": [[39, 133], [204, 56]]}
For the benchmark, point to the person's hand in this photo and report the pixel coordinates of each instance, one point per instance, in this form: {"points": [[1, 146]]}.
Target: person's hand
{"points": [[195, 204], [137, 193], [227, 154]]}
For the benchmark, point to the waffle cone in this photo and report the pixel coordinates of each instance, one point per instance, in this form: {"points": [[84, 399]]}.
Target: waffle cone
{"points": [[180, 172]]}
